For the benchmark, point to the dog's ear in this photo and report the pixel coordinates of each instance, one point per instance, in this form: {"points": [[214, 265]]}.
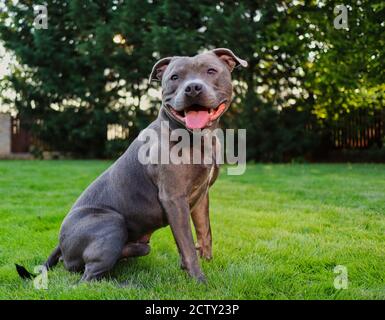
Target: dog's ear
{"points": [[228, 57], [159, 68]]}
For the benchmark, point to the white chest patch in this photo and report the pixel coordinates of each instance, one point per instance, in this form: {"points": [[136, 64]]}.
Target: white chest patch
{"points": [[211, 173]]}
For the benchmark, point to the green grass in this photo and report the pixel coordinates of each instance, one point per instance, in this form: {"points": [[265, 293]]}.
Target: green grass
{"points": [[279, 231]]}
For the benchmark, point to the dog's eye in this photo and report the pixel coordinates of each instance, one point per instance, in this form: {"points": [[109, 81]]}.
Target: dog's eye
{"points": [[211, 71], [174, 77]]}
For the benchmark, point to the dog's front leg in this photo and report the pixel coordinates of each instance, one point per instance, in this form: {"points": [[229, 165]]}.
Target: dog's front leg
{"points": [[178, 215], [201, 219]]}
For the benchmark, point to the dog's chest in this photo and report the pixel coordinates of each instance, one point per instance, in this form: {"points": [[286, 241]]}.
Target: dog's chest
{"points": [[201, 185]]}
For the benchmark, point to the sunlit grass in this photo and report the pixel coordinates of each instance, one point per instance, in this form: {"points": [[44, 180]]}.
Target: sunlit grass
{"points": [[279, 231]]}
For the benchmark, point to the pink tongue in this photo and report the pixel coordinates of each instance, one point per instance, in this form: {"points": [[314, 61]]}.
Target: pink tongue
{"points": [[197, 119]]}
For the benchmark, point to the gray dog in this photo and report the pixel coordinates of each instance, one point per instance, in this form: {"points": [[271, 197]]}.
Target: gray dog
{"points": [[116, 215]]}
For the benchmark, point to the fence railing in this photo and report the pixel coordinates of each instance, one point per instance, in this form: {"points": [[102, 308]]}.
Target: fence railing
{"points": [[359, 129], [20, 138]]}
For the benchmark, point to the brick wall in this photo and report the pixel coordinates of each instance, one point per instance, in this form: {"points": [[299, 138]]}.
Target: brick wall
{"points": [[5, 134]]}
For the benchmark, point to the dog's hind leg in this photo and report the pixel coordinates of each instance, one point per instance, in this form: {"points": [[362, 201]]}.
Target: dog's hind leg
{"points": [[135, 249], [102, 253], [100, 257], [138, 248]]}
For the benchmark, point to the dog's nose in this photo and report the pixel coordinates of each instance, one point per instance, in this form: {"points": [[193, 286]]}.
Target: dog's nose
{"points": [[193, 89]]}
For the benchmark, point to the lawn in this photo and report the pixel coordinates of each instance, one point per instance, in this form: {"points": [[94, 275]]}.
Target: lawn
{"points": [[278, 230]]}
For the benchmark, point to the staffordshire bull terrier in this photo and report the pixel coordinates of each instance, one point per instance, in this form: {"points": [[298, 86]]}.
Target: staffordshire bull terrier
{"points": [[116, 215]]}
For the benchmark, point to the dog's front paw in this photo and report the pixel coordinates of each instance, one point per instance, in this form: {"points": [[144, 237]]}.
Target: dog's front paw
{"points": [[183, 265], [201, 279], [205, 252], [198, 276]]}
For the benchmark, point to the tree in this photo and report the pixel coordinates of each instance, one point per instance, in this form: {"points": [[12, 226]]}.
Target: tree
{"points": [[90, 67]]}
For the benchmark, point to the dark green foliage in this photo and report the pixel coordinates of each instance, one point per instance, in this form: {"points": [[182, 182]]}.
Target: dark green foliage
{"points": [[72, 79]]}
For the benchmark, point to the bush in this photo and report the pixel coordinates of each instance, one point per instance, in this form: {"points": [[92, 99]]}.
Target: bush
{"points": [[115, 148]]}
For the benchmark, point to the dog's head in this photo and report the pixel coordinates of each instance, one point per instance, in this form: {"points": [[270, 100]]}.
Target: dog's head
{"points": [[197, 90]]}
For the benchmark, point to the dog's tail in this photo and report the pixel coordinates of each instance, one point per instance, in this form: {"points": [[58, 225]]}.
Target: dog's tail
{"points": [[52, 260], [23, 272]]}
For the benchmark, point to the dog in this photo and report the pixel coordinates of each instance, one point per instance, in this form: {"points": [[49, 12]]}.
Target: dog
{"points": [[116, 215]]}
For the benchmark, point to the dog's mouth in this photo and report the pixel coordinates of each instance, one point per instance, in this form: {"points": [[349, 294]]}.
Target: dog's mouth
{"points": [[197, 116]]}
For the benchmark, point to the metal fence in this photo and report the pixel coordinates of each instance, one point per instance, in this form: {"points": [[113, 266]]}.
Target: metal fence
{"points": [[359, 129], [20, 138]]}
